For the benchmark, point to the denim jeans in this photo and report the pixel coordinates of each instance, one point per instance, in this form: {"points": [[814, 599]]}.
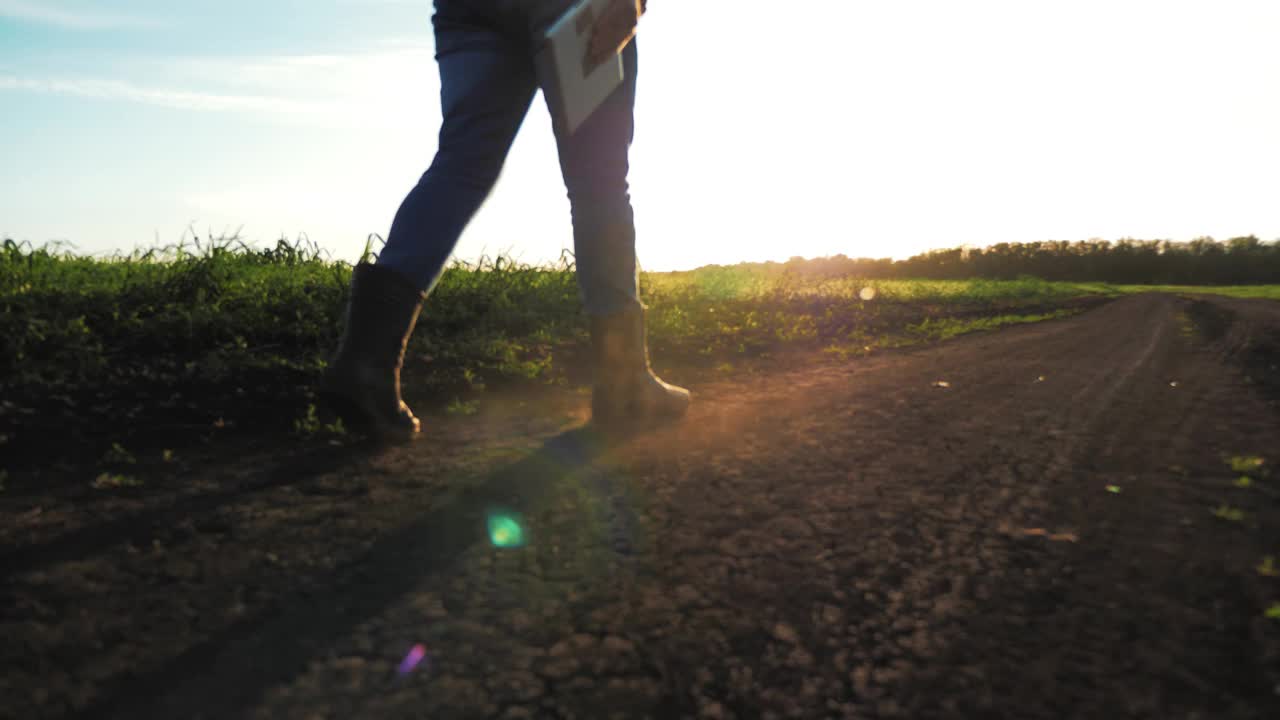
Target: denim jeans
{"points": [[487, 84]]}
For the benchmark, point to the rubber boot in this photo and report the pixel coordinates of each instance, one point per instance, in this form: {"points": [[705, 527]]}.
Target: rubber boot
{"points": [[362, 382], [625, 390]]}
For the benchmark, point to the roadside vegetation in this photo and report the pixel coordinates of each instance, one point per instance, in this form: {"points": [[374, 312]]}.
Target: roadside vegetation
{"points": [[1264, 292], [1244, 260], [158, 348]]}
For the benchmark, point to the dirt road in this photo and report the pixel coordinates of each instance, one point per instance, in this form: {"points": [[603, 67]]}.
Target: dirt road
{"points": [[1010, 525]]}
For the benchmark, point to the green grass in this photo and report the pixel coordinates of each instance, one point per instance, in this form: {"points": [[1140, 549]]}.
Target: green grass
{"points": [[1231, 514], [738, 311], [109, 481], [1265, 292], [459, 407], [159, 347], [948, 327], [1246, 463], [169, 341], [740, 283]]}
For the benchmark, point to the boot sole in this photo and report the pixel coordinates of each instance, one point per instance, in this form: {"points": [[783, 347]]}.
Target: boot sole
{"points": [[356, 418]]}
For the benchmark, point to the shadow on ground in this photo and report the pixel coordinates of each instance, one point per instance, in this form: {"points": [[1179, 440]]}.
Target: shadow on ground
{"points": [[228, 675]]}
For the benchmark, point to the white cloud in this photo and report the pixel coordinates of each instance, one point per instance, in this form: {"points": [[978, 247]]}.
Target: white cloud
{"points": [[175, 99], [387, 89], [70, 18], [382, 75]]}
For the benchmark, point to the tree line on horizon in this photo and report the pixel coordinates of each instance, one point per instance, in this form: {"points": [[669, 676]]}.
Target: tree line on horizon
{"points": [[1204, 261]]}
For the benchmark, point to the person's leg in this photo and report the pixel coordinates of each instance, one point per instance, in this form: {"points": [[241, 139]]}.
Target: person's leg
{"points": [[595, 165], [486, 86], [594, 162]]}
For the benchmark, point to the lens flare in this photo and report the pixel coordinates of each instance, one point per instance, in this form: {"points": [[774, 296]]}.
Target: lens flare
{"points": [[415, 656], [505, 531]]}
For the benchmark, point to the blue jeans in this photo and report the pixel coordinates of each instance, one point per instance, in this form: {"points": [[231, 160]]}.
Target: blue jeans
{"points": [[487, 84]]}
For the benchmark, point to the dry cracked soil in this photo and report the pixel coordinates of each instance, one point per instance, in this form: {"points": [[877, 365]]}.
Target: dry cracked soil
{"points": [[1041, 522]]}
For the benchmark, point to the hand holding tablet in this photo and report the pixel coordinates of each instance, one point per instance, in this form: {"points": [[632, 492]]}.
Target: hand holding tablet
{"points": [[579, 65]]}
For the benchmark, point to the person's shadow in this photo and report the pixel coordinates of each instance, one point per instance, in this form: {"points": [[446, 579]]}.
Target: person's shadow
{"points": [[228, 675]]}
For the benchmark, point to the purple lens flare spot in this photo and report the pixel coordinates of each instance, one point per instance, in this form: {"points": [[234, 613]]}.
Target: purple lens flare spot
{"points": [[415, 656]]}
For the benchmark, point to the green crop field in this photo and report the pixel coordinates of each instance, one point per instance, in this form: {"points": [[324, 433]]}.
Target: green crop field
{"points": [[1264, 292], [156, 346]]}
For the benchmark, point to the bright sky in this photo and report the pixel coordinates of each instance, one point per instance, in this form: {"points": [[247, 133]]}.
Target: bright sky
{"points": [[764, 129]]}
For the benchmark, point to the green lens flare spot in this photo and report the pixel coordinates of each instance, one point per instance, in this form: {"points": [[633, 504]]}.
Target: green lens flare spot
{"points": [[505, 531]]}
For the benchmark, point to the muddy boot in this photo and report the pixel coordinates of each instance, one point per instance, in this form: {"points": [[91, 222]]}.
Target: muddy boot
{"points": [[362, 383], [625, 389]]}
